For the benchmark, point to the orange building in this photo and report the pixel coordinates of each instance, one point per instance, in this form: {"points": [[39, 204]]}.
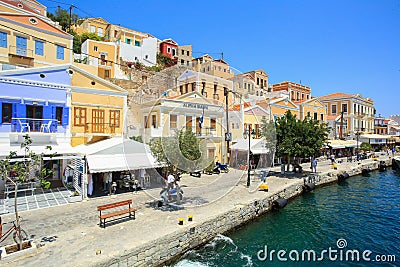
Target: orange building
{"points": [[298, 93]]}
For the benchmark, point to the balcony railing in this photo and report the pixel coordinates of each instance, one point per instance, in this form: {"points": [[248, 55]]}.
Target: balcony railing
{"points": [[100, 128], [19, 51], [34, 125], [203, 131]]}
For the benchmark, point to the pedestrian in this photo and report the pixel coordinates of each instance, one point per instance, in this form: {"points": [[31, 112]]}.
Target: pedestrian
{"points": [[171, 181], [393, 151], [333, 158], [314, 165]]}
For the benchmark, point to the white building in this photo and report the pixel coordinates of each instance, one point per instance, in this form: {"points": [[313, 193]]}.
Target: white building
{"points": [[146, 53]]}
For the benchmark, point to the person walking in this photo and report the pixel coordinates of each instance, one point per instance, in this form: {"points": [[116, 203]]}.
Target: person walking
{"points": [[333, 158], [393, 150], [170, 181], [314, 165]]}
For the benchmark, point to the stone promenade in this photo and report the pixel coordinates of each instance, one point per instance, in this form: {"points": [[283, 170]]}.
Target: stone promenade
{"points": [[69, 235]]}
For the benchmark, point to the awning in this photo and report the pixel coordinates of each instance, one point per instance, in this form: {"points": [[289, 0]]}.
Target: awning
{"points": [[340, 144], [120, 162], [257, 146], [60, 149], [117, 154]]}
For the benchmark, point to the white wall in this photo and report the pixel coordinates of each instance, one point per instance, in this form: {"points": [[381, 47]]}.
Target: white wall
{"points": [[131, 53]]}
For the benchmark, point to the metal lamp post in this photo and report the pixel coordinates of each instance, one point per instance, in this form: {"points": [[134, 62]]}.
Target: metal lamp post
{"points": [[247, 134]]}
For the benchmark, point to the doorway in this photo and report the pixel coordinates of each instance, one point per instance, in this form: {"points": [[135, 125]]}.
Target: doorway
{"points": [[35, 113]]}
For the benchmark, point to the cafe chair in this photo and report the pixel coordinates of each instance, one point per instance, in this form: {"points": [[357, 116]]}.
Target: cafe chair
{"points": [[24, 126], [46, 127]]}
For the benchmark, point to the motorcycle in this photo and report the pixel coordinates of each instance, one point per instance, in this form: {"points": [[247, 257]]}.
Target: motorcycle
{"points": [[175, 195], [222, 167]]}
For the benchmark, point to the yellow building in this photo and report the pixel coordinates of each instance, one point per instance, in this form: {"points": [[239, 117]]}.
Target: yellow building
{"points": [[163, 117], [279, 106], [314, 109], [102, 55], [216, 67], [358, 114], [98, 108], [92, 25], [28, 7], [29, 41]]}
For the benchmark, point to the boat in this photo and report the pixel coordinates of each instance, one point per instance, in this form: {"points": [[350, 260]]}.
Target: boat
{"points": [[396, 163]]}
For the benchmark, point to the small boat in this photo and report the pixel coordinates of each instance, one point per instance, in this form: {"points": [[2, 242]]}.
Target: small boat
{"points": [[396, 163]]}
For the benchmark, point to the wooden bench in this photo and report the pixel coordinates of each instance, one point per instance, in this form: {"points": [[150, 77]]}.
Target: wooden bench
{"points": [[129, 210]]}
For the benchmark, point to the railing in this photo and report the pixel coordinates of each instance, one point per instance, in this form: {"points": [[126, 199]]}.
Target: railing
{"points": [[101, 128], [105, 63], [19, 51], [34, 125], [203, 131]]}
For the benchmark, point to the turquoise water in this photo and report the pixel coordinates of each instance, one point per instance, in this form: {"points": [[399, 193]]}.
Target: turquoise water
{"points": [[364, 212]]}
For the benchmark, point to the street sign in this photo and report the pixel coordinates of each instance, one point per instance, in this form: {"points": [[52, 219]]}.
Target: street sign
{"points": [[228, 136]]}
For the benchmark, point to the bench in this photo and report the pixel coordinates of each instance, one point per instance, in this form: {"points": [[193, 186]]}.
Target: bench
{"points": [[116, 213]]}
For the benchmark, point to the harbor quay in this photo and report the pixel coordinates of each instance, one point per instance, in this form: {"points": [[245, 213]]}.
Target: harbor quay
{"points": [[70, 235]]}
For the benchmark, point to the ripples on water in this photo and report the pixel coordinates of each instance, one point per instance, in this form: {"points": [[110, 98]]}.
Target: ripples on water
{"points": [[364, 211]]}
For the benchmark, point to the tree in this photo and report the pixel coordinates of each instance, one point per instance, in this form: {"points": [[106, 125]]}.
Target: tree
{"points": [[268, 131], [80, 39], [137, 138], [365, 146], [28, 168], [182, 151], [296, 138]]}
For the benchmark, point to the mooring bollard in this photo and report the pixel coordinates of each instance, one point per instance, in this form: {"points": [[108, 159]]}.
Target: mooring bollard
{"points": [[180, 221], [190, 217]]}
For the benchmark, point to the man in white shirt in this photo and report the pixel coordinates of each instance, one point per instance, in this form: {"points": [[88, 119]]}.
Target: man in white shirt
{"points": [[170, 181]]}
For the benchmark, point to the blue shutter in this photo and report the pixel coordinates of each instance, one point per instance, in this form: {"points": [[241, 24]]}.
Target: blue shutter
{"points": [[1, 113], [39, 48], [46, 114], [60, 52], [65, 117], [3, 39], [21, 46], [54, 123]]}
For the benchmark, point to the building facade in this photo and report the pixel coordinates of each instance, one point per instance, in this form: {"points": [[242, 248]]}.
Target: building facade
{"points": [[350, 114], [215, 67], [185, 55], [169, 48], [298, 93], [314, 109], [28, 41], [92, 25], [102, 55]]}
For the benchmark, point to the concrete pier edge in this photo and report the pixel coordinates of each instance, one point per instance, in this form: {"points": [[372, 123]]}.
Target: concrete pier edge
{"points": [[172, 246]]}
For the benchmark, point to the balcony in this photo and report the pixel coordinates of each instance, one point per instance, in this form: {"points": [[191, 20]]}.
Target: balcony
{"points": [[202, 132], [41, 131], [100, 129], [105, 64], [21, 56]]}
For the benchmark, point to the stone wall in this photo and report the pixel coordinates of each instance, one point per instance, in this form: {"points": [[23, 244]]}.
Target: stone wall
{"points": [[191, 236]]}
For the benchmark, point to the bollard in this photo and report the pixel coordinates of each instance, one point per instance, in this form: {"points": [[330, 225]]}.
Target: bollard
{"points": [[180, 221], [190, 217]]}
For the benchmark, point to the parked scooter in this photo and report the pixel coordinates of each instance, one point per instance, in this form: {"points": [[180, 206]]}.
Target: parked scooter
{"points": [[222, 167]]}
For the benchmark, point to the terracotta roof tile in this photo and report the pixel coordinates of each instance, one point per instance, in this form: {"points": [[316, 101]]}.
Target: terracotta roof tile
{"points": [[335, 95]]}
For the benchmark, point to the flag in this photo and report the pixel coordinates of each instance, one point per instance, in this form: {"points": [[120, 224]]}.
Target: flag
{"points": [[201, 119]]}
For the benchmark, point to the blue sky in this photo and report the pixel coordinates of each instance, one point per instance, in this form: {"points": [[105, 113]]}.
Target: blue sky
{"points": [[350, 46]]}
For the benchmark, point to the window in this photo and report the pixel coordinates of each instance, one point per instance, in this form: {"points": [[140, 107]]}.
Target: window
{"points": [[203, 88], [322, 117], [308, 114], [298, 95], [39, 45], [315, 116], [98, 120], [128, 41], [213, 124], [6, 113], [183, 52], [3, 39], [258, 81], [137, 43], [92, 28], [188, 53], [146, 56], [95, 48], [114, 118], [106, 73], [211, 153], [182, 62], [59, 111], [79, 116], [308, 97], [173, 52], [100, 32], [215, 88], [154, 121], [302, 96], [333, 109], [21, 45], [186, 88], [169, 50], [344, 108], [173, 118], [60, 52]]}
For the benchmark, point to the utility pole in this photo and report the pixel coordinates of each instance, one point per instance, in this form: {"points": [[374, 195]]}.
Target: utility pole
{"points": [[341, 126], [70, 17], [227, 134]]}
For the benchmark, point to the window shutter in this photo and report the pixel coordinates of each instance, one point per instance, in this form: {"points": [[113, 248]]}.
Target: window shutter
{"points": [[20, 112], [65, 115], [1, 113]]}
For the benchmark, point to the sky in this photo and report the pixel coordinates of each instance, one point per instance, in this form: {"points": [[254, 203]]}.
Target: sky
{"points": [[350, 46]]}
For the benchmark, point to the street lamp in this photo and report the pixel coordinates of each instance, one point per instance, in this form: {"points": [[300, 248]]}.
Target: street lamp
{"points": [[246, 134]]}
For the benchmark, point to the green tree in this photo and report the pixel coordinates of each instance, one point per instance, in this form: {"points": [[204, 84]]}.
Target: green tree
{"points": [[80, 39], [268, 131], [182, 151], [366, 146], [164, 61], [296, 138], [27, 168], [137, 138]]}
